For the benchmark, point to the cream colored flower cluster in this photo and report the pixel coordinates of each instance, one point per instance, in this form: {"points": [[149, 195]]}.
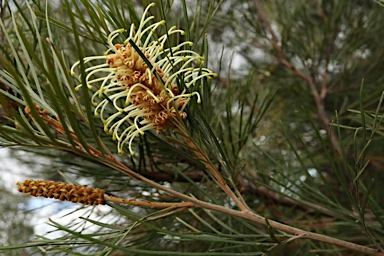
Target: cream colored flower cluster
{"points": [[144, 97]]}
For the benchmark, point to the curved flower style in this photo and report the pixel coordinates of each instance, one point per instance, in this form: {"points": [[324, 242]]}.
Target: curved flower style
{"points": [[144, 97]]}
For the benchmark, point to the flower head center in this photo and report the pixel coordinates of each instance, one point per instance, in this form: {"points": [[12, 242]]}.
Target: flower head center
{"points": [[144, 90]]}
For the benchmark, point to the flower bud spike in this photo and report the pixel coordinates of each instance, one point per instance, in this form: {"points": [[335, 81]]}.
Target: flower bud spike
{"points": [[62, 191]]}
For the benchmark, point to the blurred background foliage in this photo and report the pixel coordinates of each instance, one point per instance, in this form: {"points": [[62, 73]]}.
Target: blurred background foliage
{"points": [[294, 120]]}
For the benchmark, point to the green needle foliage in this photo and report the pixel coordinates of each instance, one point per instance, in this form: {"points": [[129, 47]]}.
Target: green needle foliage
{"points": [[278, 151]]}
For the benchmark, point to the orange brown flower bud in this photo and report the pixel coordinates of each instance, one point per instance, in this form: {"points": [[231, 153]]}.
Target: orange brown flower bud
{"points": [[62, 191]]}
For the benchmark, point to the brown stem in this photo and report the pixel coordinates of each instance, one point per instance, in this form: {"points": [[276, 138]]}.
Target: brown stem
{"points": [[245, 187], [149, 204], [215, 173]]}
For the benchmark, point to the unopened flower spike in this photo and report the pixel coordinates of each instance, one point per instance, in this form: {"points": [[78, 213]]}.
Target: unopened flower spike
{"points": [[129, 96], [62, 191]]}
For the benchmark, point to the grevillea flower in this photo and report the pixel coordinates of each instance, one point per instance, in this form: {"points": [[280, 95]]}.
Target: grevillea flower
{"points": [[144, 97]]}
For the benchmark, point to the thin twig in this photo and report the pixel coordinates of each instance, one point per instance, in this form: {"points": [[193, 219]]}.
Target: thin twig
{"points": [[149, 204], [318, 97], [215, 173]]}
